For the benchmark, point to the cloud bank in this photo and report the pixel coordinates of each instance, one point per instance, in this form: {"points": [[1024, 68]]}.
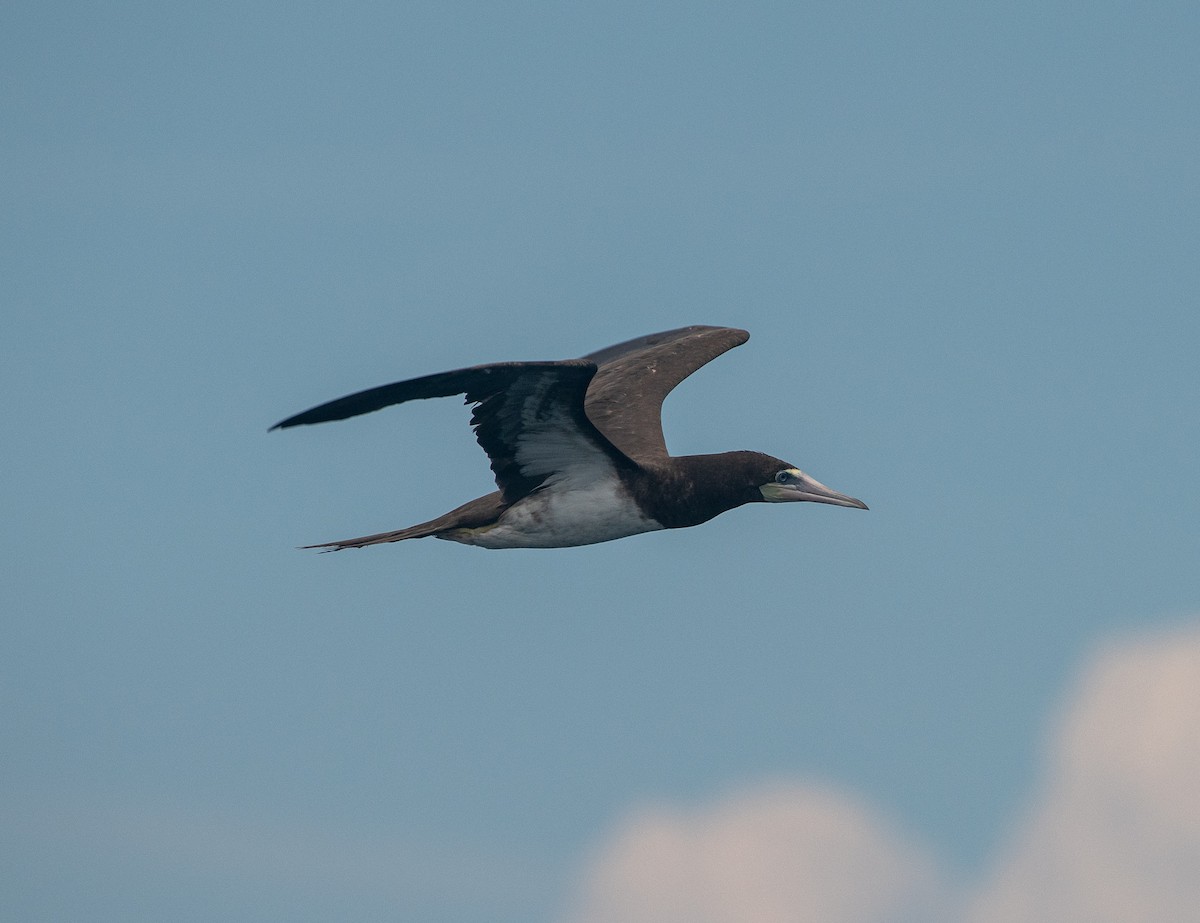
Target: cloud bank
{"points": [[1112, 835], [775, 855], [1115, 833]]}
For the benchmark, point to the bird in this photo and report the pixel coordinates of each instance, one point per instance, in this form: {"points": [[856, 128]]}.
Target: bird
{"points": [[577, 448]]}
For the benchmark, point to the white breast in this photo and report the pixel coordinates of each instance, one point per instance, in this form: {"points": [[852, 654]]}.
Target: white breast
{"points": [[561, 515]]}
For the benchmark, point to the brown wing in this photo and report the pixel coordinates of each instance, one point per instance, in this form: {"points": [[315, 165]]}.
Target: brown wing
{"points": [[624, 399], [529, 419], [535, 431], [443, 384]]}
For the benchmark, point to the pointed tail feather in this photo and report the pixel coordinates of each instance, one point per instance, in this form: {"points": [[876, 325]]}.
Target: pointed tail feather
{"points": [[421, 531], [480, 512]]}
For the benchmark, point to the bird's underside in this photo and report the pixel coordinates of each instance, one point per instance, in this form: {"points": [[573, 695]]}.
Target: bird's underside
{"points": [[577, 449]]}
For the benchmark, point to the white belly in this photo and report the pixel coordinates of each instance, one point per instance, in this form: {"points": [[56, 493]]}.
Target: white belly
{"points": [[559, 518]]}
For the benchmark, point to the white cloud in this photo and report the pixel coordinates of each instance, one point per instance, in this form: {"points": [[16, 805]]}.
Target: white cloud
{"points": [[1113, 835], [787, 854]]}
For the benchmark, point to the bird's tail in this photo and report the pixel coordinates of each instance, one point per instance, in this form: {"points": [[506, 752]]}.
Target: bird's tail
{"points": [[476, 514], [399, 535]]}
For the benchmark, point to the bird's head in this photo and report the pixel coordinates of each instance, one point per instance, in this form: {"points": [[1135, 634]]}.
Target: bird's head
{"points": [[785, 483]]}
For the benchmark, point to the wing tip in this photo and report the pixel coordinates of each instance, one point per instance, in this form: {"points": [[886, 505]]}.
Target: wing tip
{"points": [[290, 422]]}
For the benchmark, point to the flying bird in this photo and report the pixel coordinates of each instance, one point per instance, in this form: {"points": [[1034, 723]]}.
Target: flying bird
{"points": [[577, 448]]}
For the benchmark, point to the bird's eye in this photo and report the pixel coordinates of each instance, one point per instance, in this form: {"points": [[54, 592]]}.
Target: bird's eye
{"points": [[783, 477]]}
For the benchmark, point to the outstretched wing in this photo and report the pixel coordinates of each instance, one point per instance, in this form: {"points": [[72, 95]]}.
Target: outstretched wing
{"points": [[529, 419], [624, 400], [535, 431], [443, 384]]}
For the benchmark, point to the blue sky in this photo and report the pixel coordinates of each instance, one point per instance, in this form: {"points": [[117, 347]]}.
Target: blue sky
{"points": [[963, 240]]}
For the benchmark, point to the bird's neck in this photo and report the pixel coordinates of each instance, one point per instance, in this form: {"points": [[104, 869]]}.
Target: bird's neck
{"points": [[691, 489]]}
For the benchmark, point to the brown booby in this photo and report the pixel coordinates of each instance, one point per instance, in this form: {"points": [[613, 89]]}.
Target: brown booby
{"points": [[577, 448]]}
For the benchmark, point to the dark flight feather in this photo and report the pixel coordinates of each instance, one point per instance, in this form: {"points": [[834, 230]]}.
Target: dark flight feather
{"points": [[532, 425], [517, 404]]}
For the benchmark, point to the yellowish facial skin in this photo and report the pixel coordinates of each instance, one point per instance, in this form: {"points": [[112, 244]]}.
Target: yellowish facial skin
{"points": [[796, 485], [780, 493]]}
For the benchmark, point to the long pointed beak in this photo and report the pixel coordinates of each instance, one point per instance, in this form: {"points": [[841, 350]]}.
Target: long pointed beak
{"points": [[812, 490]]}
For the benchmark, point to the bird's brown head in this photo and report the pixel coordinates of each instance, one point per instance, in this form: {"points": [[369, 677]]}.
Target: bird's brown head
{"points": [[777, 481]]}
